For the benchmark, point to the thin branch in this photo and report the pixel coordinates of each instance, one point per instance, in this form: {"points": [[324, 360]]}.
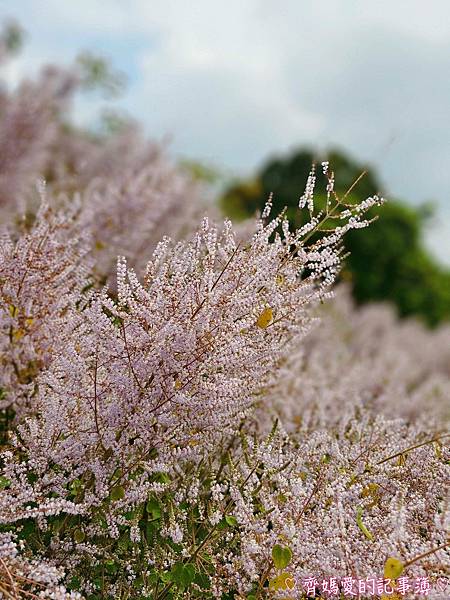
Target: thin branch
{"points": [[435, 439]]}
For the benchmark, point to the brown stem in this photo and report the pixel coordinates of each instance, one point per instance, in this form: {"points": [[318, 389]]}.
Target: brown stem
{"points": [[435, 439], [129, 358], [432, 551], [199, 307]]}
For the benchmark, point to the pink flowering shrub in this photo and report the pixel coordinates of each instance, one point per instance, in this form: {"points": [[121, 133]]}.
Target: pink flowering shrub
{"points": [[42, 276], [202, 426], [127, 185], [119, 185], [367, 358], [28, 128]]}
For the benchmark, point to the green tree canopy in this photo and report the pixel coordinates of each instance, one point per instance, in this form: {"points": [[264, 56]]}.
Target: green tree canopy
{"points": [[386, 262]]}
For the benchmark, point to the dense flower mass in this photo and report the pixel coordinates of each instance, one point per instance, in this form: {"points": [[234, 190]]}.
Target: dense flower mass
{"points": [[367, 358], [186, 412]]}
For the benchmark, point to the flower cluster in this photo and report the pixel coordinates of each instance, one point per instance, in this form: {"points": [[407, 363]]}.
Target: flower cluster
{"points": [[22, 578], [43, 273], [367, 358], [128, 185]]}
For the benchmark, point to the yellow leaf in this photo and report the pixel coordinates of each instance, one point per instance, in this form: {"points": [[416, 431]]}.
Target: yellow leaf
{"points": [[12, 310], [437, 449], [393, 568], [17, 334], [178, 384], [265, 318], [273, 584], [373, 491], [285, 581], [369, 490], [79, 536], [290, 583], [352, 481], [329, 502], [401, 462], [29, 321]]}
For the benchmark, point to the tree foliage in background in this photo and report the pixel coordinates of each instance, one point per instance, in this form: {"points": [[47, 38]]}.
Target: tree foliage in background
{"points": [[387, 262], [11, 38]]}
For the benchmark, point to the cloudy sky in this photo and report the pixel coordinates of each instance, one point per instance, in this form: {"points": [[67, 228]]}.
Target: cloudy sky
{"points": [[233, 82]]}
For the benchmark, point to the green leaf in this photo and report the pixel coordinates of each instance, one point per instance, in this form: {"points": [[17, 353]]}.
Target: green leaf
{"points": [[117, 493], [79, 536], [32, 478], [57, 523], [183, 574], [165, 577], [153, 508], [326, 458], [231, 521], [150, 531], [162, 478], [203, 581], [281, 556], [4, 482], [123, 542], [76, 487], [74, 583], [28, 529], [110, 566], [361, 525]]}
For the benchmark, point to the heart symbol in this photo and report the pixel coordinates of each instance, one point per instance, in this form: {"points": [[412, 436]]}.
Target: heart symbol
{"points": [[290, 582], [442, 584]]}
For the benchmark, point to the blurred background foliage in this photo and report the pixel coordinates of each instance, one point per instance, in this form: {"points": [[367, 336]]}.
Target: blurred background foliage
{"points": [[388, 261], [11, 37]]}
